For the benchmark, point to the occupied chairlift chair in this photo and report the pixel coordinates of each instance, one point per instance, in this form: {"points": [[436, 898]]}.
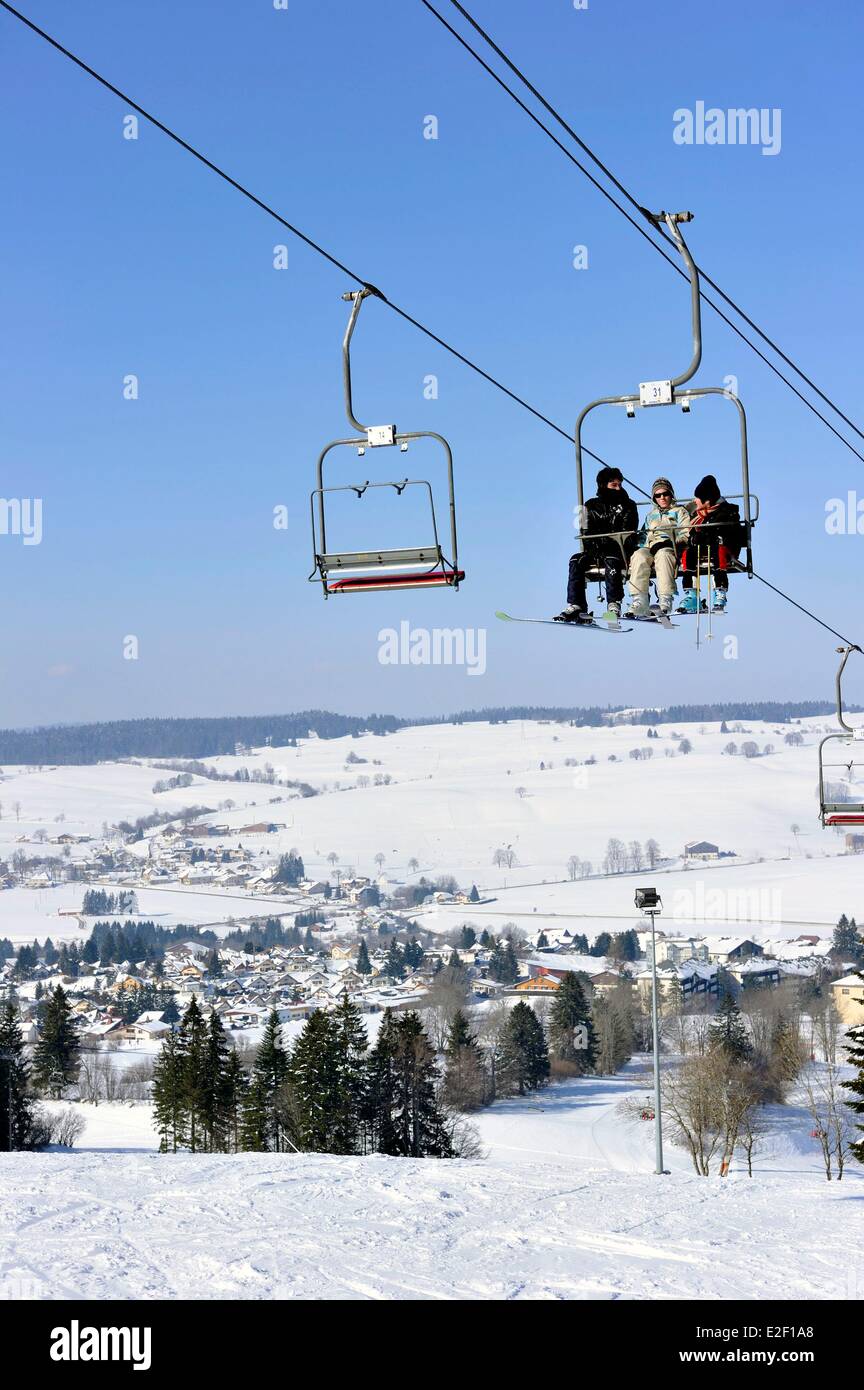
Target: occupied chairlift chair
{"points": [[832, 810], [694, 560], [417, 567]]}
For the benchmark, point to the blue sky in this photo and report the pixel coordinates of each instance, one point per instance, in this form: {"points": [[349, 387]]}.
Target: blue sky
{"points": [[128, 257]]}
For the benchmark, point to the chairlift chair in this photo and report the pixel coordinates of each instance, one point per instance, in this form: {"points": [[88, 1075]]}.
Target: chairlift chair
{"points": [[669, 392], [833, 811], [365, 571]]}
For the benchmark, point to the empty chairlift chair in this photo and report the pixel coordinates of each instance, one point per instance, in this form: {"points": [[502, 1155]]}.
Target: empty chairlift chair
{"points": [[407, 567], [838, 803]]}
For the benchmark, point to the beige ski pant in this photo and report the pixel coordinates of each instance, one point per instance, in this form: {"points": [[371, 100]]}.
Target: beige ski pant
{"points": [[664, 564]]}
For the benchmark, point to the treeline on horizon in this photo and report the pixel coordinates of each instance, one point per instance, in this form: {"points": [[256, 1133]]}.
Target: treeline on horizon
{"points": [[212, 737]]}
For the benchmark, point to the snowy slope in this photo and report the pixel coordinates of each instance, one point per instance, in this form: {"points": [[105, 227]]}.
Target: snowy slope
{"points": [[102, 1226]]}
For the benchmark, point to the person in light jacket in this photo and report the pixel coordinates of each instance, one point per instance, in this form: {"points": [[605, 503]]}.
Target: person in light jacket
{"points": [[665, 529]]}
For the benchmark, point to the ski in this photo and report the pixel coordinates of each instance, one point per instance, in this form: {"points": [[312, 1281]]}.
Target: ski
{"points": [[652, 616], [597, 624]]}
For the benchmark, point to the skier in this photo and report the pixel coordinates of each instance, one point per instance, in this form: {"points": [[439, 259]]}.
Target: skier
{"points": [[609, 538], [665, 528], [716, 530]]}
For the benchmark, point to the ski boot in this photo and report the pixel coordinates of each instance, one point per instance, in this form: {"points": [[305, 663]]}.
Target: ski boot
{"points": [[572, 614], [613, 612], [638, 607], [666, 603], [689, 603], [719, 604]]}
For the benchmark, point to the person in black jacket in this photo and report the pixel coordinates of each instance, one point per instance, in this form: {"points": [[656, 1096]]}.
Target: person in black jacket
{"points": [[609, 538], [716, 532]]}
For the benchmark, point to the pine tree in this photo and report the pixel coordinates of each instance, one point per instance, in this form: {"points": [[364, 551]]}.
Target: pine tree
{"points": [[381, 1089], [349, 1136], [255, 1121], [193, 1047], [395, 964], [214, 1111], [169, 1103], [315, 1083], [728, 1032], [571, 1030], [855, 1057], [55, 1060], [524, 1056], [847, 942], [418, 1122], [234, 1094], [261, 1122], [364, 965], [464, 1073], [17, 1125]]}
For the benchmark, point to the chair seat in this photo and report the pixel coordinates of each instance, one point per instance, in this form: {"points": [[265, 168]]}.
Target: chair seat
{"points": [[429, 580]]}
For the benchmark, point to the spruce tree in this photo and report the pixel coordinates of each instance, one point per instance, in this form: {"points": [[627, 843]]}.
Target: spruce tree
{"points": [[169, 1102], [855, 1057], [395, 964], [55, 1059], [315, 1082], [235, 1090], [381, 1089], [419, 1125], [193, 1047], [464, 1073], [571, 1029], [847, 942], [214, 1112], [728, 1033], [349, 1132], [524, 1055], [364, 965], [256, 1121], [17, 1126], [269, 1074]]}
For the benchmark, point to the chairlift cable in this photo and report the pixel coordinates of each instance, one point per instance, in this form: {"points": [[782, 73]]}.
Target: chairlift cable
{"points": [[333, 260], [644, 213]]}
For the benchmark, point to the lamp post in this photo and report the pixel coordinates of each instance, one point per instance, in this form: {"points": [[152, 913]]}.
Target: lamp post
{"points": [[650, 905]]}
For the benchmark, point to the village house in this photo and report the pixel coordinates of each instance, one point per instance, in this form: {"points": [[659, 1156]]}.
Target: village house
{"points": [[848, 996], [701, 849]]}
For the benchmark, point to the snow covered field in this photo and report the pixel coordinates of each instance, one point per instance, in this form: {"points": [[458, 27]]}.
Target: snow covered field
{"points": [[565, 1206], [457, 794]]}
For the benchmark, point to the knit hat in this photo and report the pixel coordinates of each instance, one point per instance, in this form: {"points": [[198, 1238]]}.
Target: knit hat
{"points": [[662, 483], [606, 476], [707, 490]]}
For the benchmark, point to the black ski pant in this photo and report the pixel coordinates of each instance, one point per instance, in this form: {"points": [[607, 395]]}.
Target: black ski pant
{"points": [[613, 577]]}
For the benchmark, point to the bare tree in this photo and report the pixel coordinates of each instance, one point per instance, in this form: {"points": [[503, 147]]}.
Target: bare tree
{"points": [[413, 865], [573, 866], [634, 855], [832, 1121], [652, 853]]}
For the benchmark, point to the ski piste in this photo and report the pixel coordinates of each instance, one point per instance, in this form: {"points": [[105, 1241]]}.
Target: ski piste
{"points": [[596, 624]]}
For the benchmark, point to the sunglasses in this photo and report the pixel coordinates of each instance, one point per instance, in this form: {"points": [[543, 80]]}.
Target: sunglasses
{"points": [[658, 495]]}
